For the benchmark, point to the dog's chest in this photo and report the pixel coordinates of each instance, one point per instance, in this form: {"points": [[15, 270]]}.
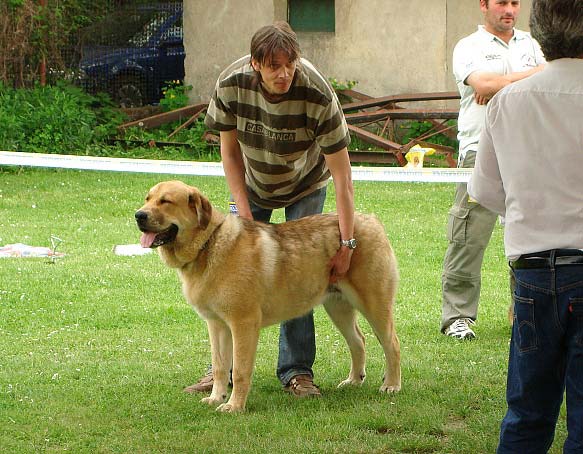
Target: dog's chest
{"points": [[201, 298]]}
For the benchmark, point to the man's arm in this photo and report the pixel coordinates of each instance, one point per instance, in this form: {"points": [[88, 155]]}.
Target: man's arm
{"points": [[485, 185], [487, 84], [339, 165], [235, 171]]}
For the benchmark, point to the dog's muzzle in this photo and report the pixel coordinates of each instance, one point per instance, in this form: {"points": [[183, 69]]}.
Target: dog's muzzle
{"points": [[150, 239]]}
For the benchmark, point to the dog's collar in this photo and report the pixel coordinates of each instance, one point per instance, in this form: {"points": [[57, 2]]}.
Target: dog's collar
{"points": [[205, 245]]}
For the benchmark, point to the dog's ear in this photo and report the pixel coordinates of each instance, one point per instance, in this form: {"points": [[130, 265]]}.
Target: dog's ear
{"points": [[202, 207]]}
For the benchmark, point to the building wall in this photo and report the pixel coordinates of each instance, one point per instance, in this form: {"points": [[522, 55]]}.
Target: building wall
{"points": [[388, 46]]}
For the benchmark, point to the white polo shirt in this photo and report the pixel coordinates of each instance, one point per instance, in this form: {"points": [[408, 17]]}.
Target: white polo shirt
{"points": [[482, 51], [530, 160]]}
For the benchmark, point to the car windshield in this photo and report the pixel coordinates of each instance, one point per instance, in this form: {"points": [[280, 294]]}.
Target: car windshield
{"points": [[143, 37], [125, 28]]}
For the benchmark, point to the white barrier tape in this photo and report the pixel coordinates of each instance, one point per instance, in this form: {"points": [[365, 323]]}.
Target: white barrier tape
{"points": [[425, 175], [111, 164]]}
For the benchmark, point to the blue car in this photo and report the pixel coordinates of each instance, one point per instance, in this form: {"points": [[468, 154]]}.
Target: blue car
{"points": [[133, 54]]}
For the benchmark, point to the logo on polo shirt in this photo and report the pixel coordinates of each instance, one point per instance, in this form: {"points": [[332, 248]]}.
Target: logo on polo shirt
{"points": [[528, 60], [261, 130], [491, 57]]}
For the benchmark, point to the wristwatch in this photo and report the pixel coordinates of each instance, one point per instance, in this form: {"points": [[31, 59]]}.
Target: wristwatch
{"points": [[350, 244]]}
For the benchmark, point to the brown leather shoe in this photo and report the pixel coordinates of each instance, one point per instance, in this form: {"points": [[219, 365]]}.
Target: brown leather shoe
{"points": [[302, 386], [204, 385]]}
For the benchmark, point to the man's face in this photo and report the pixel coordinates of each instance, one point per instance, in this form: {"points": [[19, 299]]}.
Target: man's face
{"points": [[277, 74], [500, 15]]}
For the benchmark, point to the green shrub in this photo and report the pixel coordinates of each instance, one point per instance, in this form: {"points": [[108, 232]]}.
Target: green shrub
{"points": [[63, 119], [54, 119], [414, 129], [192, 144], [340, 85], [174, 95], [339, 88]]}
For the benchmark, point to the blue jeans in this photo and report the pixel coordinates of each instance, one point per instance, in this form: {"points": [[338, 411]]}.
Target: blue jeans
{"points": [[546, 359], [297, 337]]}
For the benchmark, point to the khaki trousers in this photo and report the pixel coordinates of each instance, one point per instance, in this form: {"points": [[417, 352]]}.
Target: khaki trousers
{"points": [[469, 229]]}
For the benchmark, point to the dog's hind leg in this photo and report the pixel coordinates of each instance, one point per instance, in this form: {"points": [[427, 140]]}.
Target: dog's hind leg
{"points": [[344, 317], [222, 356], [379, 316], [245, 339]]}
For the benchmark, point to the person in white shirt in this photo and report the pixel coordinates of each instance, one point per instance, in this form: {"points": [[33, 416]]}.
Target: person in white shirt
{"points": [[529, 169], [484, 62]]}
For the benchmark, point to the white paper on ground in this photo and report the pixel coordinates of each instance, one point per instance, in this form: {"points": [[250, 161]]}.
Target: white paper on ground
{"points": [[131, 249]]}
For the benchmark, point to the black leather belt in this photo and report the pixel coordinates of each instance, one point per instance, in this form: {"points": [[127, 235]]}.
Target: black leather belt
{"points": [[546, 259]]}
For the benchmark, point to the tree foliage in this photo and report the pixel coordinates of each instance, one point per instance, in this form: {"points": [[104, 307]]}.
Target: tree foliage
{"points": [[35, 31]]}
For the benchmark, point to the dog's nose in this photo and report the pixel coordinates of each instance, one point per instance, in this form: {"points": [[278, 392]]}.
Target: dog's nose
{"points": [[141, 216]]}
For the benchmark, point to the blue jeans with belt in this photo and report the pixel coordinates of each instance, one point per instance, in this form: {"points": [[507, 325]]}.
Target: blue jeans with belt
{"points": [[546, 353], [297, 337]]}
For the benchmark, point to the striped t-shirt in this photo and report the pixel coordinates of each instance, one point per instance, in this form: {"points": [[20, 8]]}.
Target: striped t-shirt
{"points": [[282, 142]]}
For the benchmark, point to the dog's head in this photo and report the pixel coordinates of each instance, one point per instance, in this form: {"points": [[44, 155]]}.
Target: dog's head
{"points": [[172, 209]]}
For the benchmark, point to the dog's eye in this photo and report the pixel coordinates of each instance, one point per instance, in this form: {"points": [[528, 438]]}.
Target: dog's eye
{"points": [[164, 201]]}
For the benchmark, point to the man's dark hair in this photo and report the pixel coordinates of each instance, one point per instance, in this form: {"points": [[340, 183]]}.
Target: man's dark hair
{"points": [[558, 27], [270, 39]]}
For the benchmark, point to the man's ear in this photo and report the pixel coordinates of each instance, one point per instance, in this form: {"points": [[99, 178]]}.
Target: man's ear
{"points": [[202, 208], [255, 64]]}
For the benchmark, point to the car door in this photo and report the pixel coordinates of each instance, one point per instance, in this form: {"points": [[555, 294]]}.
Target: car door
{"points": [[171, 54]]}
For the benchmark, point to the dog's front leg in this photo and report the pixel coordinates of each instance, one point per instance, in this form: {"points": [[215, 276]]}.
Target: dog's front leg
{"points": [[222, 356], [245, 339]]}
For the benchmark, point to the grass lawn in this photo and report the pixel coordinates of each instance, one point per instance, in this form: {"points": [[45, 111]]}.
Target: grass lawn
{"points": [[96, 348]]}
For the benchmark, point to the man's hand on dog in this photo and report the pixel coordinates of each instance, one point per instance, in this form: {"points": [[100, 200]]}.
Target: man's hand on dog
{"points": [[339, 264]]}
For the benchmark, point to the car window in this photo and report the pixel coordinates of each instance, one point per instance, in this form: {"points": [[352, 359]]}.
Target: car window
{"points": [[125, 28], [174, 34], [149, 29]]}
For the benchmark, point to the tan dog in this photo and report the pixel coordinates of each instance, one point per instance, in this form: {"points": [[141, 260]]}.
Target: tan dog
{"points": [[242, 275]]}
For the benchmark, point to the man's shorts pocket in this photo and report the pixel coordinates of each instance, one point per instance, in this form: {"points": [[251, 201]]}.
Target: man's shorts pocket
{"points": [[457, 224]]}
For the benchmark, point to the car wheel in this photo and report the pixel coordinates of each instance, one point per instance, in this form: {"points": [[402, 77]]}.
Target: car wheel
{"points": [[129, 91]]}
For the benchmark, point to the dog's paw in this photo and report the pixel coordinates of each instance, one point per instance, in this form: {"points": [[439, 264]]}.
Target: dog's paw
{"points": [[212, 400], [229, 408], [390, 389], [351, 382]]}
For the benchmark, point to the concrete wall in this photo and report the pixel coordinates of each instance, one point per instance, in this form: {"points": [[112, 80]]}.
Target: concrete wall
{"points": [[388, 46], [216, 33]]}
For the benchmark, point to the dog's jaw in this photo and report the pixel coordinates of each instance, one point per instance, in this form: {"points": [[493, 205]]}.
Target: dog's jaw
{"points": [[155, 239]]}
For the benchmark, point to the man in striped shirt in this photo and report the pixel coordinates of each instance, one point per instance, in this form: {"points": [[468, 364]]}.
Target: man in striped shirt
{"points": [[282, 135]]}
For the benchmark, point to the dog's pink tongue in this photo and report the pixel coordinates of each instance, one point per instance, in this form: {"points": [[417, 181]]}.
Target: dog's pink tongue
{"points": [[147, 239]]}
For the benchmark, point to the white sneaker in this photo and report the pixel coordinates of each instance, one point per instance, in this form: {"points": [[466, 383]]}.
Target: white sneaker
{"points": [[460, 329]]}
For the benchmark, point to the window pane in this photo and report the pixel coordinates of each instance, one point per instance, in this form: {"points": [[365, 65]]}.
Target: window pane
{"points": [[311, 15]]}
